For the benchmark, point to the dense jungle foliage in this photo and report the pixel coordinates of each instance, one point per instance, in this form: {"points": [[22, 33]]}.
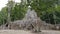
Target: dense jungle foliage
{"points": [[47, 10]]}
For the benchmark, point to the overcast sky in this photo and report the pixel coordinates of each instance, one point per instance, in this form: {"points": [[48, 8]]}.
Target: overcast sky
{"points": [[4, 2]]}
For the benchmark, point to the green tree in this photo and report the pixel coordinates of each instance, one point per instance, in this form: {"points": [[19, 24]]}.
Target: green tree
{"points": [[3, 16], [17, 12], [45, 9]]}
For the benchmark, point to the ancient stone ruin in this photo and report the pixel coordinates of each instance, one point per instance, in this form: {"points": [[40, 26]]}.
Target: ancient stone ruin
{"points": [[30, 21]]}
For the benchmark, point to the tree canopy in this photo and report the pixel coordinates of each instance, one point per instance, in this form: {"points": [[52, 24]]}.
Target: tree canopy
{"points": [[47, 10]]}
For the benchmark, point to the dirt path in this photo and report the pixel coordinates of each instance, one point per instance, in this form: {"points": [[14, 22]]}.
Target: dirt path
{"points": [[28, 32], [14, 32], [49, 32]]}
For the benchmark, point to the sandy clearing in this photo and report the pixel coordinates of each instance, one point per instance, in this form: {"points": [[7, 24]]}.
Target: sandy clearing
{"points": [[28, 32], [49, 32], [14, 32]]}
